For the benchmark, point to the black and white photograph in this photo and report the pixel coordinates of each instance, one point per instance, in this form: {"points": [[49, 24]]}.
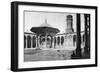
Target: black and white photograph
{"points": [[52, 36]]}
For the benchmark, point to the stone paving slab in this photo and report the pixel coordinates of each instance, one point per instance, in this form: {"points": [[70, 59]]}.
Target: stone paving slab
{"points": [[47, 55]]}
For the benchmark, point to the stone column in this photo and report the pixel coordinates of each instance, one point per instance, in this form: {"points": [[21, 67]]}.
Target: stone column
{"points": [[46, 40], [36, 41], [78, 23], [39, 41], [56, 43], [52, 42], [31, 42], [26, 41], [60, 42], [87, 39]]}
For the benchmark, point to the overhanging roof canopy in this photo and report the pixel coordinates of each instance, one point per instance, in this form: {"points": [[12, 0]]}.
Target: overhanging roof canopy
{"points": [[45, 29]]}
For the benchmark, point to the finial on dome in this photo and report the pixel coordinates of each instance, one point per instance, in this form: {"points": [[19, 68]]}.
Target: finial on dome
{"points": [[45, 24], [45, 21]]}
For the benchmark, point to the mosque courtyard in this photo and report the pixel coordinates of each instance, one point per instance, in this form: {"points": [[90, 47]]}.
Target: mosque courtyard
{"points": [[46, 55]]}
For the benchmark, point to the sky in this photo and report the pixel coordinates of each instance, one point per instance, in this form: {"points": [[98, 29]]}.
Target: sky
{"points": [[54, 19]]}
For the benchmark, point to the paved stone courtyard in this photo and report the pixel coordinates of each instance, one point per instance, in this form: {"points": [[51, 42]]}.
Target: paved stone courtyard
{"points": [[46, 55]]}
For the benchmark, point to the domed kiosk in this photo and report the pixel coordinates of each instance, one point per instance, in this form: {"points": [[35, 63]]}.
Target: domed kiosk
{"points": [[45, 34]]}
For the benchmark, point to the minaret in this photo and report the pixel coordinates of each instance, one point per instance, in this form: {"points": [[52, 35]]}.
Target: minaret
{"points": [[69, 20]]}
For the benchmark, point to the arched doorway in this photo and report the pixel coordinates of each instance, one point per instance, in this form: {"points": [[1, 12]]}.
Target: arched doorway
{"points": [[48, 41], [54, 42], [34, 42], [58, 40], [24, 41], [42, 41], [28, 42], [62, 40]]}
